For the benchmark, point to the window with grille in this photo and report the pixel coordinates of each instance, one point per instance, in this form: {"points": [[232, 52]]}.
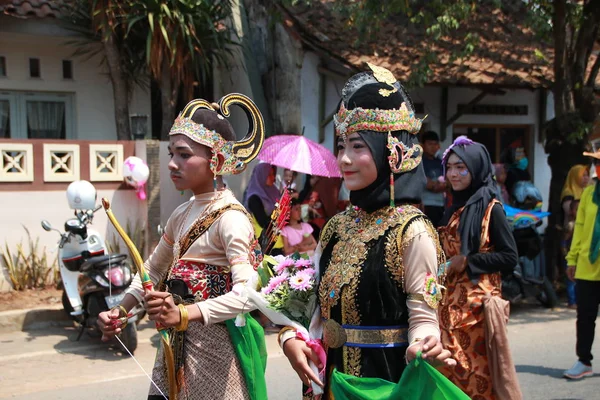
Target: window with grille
{"points": [[30, 115]]}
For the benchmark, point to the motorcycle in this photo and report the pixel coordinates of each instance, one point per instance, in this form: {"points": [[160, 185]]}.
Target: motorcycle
{"points": [[93, 280], [528, 277]]}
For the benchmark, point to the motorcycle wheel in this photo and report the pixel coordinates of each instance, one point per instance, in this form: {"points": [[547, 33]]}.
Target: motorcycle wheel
{"points": [[67, 305], [129, 338], [547, 295]]}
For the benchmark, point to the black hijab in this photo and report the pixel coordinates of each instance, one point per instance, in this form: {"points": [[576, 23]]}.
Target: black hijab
{"points": [[408, 186], [476, 198]]}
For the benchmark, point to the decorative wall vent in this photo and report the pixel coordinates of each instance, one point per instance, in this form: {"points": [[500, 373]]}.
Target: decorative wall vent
{"points": [[16, 162], [61, 162], [106, 162]]}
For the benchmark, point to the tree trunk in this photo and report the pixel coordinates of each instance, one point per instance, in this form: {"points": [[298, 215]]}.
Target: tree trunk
{"points": [[120, 87], [562, 155], [563, 101], [169, 92]]}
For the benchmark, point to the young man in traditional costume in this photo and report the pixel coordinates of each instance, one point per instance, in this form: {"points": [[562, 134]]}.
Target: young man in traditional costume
{"points": [[206, 254]]}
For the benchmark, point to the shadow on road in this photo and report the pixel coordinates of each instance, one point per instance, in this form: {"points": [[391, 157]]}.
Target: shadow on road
{"points": [[89, 345], [551, 372], [527, 313]]}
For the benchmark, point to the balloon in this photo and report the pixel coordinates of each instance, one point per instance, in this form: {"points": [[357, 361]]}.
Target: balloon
{"points": [[135, 173]]}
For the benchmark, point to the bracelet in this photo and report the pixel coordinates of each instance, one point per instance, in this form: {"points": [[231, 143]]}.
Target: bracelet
{"points": [[282, 331], [122, 310], [183, 324]]}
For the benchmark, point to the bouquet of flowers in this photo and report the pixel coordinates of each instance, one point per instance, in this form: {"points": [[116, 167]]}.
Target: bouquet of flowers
{"points": [[284, 290]]}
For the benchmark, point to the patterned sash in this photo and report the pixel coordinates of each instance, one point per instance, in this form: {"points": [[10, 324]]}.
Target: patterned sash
{"points": [[201, 225]]}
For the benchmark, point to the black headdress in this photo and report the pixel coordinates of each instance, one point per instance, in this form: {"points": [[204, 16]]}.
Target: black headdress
{"points": [[379, 109]]}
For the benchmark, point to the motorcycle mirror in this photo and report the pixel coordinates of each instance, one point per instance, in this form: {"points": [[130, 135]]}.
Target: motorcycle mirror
{"points": [[46, 225]]}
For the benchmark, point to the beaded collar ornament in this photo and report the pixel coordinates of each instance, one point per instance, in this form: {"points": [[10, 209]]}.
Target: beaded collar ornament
{"points": [[236, 154]]}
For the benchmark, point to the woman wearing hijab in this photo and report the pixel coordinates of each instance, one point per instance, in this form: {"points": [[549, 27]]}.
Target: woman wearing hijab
{"points": [[260, 198], [376, 259], [577, 180], [479, 244]]}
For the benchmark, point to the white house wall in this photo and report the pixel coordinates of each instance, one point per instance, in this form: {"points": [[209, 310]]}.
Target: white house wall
{"points": [[91, 86]]}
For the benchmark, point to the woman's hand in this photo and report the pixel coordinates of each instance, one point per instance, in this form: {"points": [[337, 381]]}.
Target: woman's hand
{"points": [[298, 354], [432, 351], [162, 309], [457, 264], [106, 323]]}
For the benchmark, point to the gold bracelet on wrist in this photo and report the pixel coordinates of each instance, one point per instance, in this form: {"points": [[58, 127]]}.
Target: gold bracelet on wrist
{"points": [[282, 331], [183, 313], [122, 310]]}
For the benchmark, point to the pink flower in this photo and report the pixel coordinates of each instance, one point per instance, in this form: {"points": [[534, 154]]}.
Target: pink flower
{"points": [[279, 268], [309, 271], [274, 283], [303, 263], [301, 281]]}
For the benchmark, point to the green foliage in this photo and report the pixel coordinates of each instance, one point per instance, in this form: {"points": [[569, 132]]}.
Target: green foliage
{"points": [[137, 234], [29, 268], [186, 37]]}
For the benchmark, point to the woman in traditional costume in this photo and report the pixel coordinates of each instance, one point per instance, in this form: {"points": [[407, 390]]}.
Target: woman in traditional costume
{"points": [[206, 252], [479, 243], [378, 264]]}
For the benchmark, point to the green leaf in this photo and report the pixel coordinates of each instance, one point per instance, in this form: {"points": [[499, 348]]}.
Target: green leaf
{"points": [[151, 21], [166, 10], [165, 36]]}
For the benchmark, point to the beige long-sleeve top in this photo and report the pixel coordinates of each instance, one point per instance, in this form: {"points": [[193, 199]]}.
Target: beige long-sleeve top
{"points": [[420, 258], [227, 243]]}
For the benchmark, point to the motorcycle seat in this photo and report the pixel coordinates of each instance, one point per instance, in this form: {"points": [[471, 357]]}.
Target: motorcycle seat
{"points": [[102, 261]]}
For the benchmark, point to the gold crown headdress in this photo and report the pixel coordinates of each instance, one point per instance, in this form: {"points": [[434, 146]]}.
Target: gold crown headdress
{"points": [[236, 154], [402, 158]]}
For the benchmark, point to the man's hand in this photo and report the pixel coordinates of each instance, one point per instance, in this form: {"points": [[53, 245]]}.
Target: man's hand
{"points": [[571, 272], [161, 308], [298, 354]]}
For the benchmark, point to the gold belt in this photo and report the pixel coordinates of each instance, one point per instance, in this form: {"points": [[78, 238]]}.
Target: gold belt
{"points": [[336, 335]]}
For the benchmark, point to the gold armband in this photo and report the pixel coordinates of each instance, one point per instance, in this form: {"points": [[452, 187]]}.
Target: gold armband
{"points": [[183, 313]]}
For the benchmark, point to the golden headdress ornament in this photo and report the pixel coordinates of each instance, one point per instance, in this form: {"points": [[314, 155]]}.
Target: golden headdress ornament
{"points": [[237, 154], [402, 158]]}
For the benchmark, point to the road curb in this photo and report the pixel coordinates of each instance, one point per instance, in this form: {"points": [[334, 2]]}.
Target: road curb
{"points": [[33, 318]]}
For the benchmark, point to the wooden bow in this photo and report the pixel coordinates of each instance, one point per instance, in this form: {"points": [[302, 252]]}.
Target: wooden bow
{"points": [[148, 286]]}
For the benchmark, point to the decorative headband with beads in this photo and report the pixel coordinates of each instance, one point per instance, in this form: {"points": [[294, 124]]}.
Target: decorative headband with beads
{"points": [[359, 119], [402, 158], [236, 154]]}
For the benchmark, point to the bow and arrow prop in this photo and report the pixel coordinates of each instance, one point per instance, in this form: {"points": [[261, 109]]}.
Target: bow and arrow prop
{"points": [[148, 286]]}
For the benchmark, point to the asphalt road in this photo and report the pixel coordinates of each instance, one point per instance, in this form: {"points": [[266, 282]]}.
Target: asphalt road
{"points": [[48, 364]]}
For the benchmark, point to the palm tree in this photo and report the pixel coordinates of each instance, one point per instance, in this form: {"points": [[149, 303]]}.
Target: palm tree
{"points": [[183, 41]]}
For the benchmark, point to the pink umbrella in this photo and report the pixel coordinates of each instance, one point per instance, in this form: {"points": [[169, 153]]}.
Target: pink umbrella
{"points": [[299, 154]]}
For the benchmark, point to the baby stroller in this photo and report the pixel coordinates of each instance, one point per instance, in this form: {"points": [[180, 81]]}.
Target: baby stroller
{"points": [[528, 278]]}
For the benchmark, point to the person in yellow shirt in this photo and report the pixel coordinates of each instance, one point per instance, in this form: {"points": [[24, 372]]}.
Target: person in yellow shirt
{"points": [[583, 267]]}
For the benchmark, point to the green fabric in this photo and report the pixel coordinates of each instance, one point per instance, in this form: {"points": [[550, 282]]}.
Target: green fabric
{"points": [[419, 381], [249, 344], [595, 245]]}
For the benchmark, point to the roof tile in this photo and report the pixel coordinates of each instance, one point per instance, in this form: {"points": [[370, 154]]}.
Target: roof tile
{"points": [[31, 8], [504, 57]]}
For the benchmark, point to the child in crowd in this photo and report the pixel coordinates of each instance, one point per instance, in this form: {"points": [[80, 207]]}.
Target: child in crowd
{"points": [[297, 235]]}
